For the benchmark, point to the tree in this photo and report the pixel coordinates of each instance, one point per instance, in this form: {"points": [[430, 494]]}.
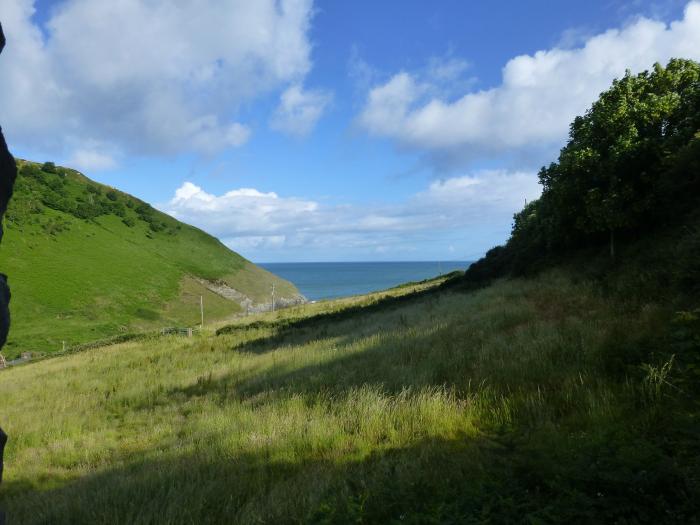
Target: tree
{"points": [[632, 162]]}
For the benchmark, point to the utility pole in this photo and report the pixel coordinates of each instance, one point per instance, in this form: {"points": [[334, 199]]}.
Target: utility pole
{"points": [[273, 297], [201, 309]]}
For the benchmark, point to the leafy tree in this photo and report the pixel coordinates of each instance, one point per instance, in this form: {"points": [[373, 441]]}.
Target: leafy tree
{"points": [[632, 162]]}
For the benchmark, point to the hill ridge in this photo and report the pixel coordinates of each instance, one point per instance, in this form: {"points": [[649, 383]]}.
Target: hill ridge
{"points": [[89, 261]]}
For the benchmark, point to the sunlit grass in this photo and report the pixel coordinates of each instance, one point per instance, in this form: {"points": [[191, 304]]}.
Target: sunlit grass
{"points": [[411, 410]]}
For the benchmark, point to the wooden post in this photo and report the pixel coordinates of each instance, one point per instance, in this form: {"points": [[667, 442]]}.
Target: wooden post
{"points": [[189, 332]]}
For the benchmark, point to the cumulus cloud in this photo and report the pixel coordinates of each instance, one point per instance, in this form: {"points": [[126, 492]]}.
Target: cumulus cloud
{"points": [[299, 110], [537, 99], [244, 212], [250, 220], [148, 77]]}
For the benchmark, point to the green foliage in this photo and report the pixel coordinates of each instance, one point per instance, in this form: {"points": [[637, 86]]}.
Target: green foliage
{"points": [[685, 344], [48, 167], [632, 164], [56, 225]]}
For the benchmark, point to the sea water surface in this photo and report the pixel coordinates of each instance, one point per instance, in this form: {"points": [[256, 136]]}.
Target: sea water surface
{"points": [[341, 279]]}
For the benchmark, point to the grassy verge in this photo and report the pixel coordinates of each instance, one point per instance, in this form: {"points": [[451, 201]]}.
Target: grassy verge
{"points": [[529, 401]]}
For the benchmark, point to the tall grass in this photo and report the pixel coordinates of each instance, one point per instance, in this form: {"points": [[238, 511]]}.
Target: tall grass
{"points": [[524, 401]]}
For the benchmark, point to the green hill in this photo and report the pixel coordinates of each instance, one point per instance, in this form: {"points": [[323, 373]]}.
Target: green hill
{"points": [[87, 262]]}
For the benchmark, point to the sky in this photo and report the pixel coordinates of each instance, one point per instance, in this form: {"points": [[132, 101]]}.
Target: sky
{"points": [[301, 130]]}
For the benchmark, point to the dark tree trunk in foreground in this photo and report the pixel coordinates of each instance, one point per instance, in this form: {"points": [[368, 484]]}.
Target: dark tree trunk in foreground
{"points": [[8, 174]]}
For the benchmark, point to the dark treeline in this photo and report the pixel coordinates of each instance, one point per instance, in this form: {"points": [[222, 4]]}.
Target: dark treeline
{"points": [[631, 166]]}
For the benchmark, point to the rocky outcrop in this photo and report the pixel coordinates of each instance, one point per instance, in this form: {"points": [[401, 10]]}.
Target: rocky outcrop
{"points": [[8, 174], [222, 289]]}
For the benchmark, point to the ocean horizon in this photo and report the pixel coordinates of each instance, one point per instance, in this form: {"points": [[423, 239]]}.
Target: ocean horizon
{"points": [[331, 280]]}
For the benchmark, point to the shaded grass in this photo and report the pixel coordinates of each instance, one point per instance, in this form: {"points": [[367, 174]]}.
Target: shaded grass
{"points": [[499, 406]]}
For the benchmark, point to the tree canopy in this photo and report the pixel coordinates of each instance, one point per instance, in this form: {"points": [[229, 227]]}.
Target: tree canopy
{"points": [[631, 163]]}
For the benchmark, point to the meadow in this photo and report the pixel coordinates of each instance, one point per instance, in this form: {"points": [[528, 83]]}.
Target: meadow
{"points": [[530, 401]]}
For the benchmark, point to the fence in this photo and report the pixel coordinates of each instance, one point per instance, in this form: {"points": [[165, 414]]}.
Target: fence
{"points": [[187, 332]]}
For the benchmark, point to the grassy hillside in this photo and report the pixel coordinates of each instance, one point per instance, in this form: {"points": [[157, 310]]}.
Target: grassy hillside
{"points": [[86, 261], [531, 401]]}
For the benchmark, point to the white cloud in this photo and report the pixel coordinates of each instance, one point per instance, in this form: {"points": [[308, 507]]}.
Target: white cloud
{"points": [[253, 221], [244, 212], [299, 110], [539, 95], [91, 160], [147, 76]]}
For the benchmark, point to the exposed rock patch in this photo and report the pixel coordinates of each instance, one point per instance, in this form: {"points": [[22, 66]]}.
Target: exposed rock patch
{"points": [[222, 289]]}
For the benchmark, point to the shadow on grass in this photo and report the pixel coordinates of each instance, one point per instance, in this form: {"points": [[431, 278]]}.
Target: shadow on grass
{"points": [[359, 356], [596, 479], [320, 323]]}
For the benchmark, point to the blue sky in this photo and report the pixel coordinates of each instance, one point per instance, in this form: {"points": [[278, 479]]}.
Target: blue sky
{"points": [[296, 130]]}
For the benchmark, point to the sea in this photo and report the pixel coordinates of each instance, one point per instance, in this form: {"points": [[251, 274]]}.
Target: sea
{"points": [[330, 280]]}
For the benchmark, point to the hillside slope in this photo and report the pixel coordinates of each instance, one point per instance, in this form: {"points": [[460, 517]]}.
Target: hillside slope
{"points": [[531, 401], [87, 261]]}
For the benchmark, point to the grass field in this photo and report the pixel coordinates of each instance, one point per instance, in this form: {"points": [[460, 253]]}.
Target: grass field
{"points": [[533, 401], [78, 279]]}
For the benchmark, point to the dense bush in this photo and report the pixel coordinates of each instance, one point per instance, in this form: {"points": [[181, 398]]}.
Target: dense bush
{"points": [[48, 167], [631, 165], [47, 186]]}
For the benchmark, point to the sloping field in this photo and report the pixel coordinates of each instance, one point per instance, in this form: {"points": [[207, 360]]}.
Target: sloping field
{"points": [[530, 401], [88, 262]]}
